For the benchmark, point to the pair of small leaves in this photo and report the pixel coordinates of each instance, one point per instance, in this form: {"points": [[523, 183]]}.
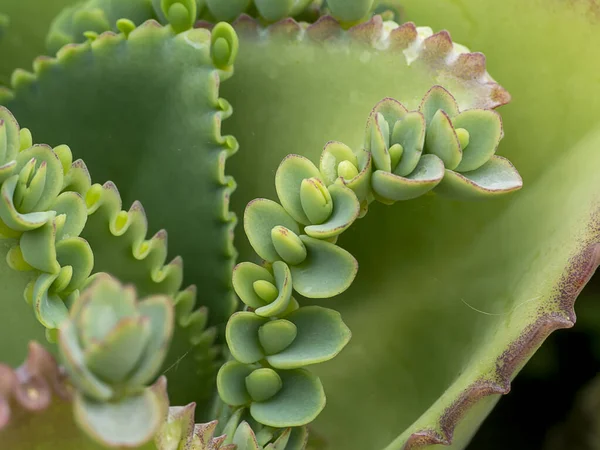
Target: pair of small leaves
{"points": [[437, 146], [325, 269], [309, 335], [286, 398]]}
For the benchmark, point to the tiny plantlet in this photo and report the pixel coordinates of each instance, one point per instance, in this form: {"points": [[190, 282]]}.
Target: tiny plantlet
{"points": [[286, 224]]}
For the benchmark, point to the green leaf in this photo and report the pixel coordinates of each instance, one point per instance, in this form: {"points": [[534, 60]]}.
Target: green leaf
{"points": [[159, 312], [260, 217], [496, 177], [283, 282], [244, 438], [350, 10], [345, 211], [130, 422], [113, 358], [299, 401], [74, 360], [441, 140], [288, 181], [410, 134], [320, 337], [485, 131], [426, 176], [242, 337], [277, 335], [263, 384], [274, 10], [327, 271], [227, 9], [245, 274], [231, 383], [436, 99]]}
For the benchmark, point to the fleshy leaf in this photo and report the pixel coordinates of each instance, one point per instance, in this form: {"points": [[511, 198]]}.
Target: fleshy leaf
{"points": [[260, 217], [283, 282], [345, 211], [426, 176], [321, 336], [277, 335], [288, 181], [410, 133], [299, 401], [130, 422], [263, 384], [485, 131], [496, 177], [438, 98], [441, 140], [242, 337], [327, 271], [231, 382], [350, 10], [245, 274]]}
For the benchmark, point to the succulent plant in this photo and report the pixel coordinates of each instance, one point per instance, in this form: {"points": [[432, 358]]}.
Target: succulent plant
{"points": [[376, 304]]}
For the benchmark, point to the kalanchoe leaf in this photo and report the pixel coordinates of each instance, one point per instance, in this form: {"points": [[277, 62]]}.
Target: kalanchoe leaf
{"points": [[299, 401], [339, 164], [242, 334], [231, 383], [441, 140], [316, 200], [260, 217], [327, 271], [288, 182], [409, 132], [346, 209], [274, 10], [277, 335], [262, 384], [390, 187], [245, 438], [245, 275], [484, 128], [227, 9], [350, 10], [496, 177], [283, 282], [128, 422], [321, 335], [288, 245], [115, 356], [438, 98]]}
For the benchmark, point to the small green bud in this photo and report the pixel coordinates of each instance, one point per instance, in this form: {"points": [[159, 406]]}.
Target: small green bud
{"points": [[277, 335], [347, 170], [262, 384], [395, 151], [463, 137], [316, 200], [288, 245], [265, 290], [15, 260], [25, 138]]}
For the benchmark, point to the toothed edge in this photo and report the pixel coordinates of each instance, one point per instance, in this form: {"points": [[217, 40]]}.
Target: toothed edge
{"points": [[33, 386], [582, 267], [417, 45], [108, 201]]}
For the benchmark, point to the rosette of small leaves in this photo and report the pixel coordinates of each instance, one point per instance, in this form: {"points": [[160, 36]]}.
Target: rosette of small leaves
{"points": [[437, 147], [112, 346], [41, 216]]}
